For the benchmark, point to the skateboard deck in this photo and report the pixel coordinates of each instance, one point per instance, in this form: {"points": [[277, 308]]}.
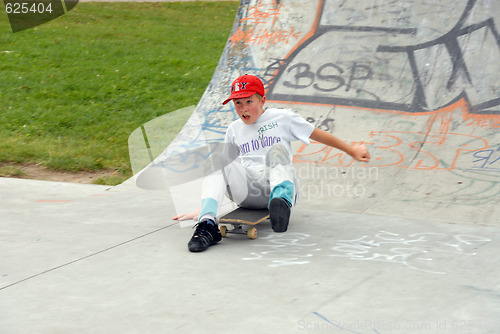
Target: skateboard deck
{"points": [[242, 221]]}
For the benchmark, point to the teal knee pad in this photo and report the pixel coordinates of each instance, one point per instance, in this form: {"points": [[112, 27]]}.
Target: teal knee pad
{"points": [[209, 207], [284, 190]]}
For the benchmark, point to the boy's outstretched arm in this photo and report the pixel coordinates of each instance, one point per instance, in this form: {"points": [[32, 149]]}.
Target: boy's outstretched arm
{"points": [[358, 152]]}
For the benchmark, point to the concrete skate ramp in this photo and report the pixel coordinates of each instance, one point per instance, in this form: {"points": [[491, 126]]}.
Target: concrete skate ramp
{"points": [[417, 82]]}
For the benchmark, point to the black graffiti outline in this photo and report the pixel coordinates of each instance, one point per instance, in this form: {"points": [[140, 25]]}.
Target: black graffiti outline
{"points": [[419, 101]]}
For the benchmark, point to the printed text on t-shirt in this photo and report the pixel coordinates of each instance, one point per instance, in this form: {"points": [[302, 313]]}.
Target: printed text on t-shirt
{"points": [[257, 144], [267, 127]]}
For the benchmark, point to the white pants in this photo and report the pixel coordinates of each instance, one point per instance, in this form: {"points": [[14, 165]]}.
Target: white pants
{"points": [[250, 187]]}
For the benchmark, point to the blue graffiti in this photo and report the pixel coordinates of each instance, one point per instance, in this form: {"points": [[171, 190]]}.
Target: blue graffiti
{"points": [[487, 160]]}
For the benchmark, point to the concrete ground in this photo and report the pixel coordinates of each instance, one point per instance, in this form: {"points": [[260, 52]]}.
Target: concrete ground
{"points": [[96, 259]]}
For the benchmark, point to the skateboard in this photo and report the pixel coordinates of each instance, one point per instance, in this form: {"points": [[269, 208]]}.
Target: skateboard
{"points": [[242, 221]]}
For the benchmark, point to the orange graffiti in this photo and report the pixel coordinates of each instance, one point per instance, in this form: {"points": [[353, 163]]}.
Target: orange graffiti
{"points": [[397, 148], [436, 148], [482, 121], [258, 15], [263, 36]]}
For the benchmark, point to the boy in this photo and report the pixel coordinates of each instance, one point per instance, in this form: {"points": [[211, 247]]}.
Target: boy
{"points": [[262, 175]]}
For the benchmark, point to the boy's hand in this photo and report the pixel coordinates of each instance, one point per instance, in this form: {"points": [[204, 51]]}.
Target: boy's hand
{"points": [[360, 153], [187, 216]]}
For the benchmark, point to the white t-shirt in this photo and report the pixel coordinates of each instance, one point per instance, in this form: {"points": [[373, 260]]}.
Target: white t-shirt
{"points": [[273, 126]]}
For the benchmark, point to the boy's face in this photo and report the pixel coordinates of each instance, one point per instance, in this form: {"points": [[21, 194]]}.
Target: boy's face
{"points": [[250, 108]]}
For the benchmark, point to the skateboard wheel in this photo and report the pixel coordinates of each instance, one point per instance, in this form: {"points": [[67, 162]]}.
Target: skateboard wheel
{"points": [[223, 230], [252, 233]]}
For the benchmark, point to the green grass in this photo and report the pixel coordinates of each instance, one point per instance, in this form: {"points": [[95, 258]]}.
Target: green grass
{"points": [[11, 171], [72, 90]]}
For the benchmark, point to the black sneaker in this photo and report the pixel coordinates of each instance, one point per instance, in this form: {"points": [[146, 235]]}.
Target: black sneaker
{"points": [[205, 236], [279, 211]]}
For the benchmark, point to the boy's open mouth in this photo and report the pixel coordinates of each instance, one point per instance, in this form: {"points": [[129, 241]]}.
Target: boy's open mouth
{"points": [[245, 116]]}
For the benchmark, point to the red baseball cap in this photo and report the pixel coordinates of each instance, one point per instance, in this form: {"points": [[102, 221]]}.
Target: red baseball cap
{"points": [[246, 86]]}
